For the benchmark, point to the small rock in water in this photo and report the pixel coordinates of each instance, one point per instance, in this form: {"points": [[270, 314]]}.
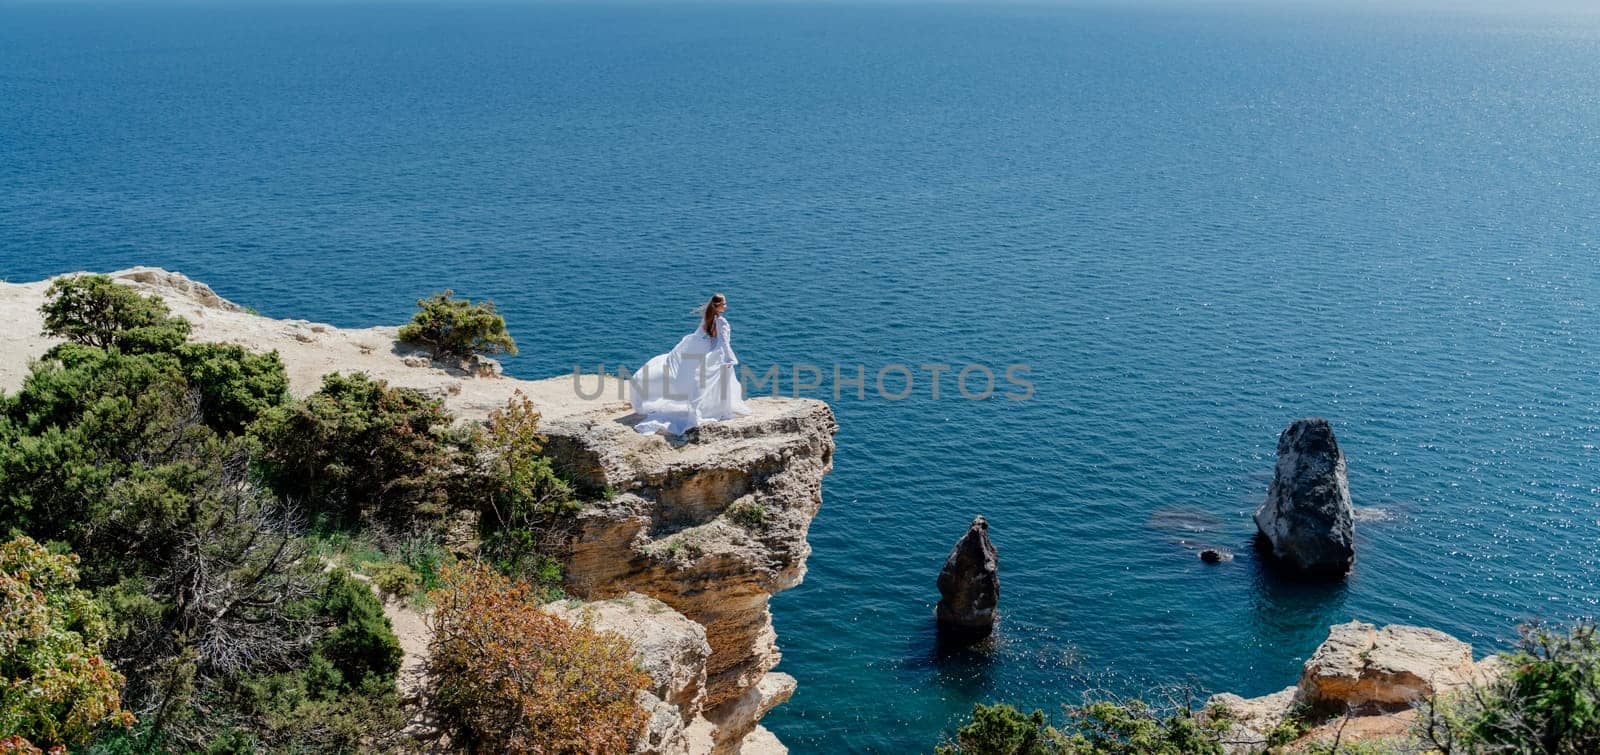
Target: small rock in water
{"points": [[1215, 555], [969, 586]]}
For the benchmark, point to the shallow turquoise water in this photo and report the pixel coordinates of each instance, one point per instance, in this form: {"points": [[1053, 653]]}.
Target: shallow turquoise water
{"points": [[1195, 225]]}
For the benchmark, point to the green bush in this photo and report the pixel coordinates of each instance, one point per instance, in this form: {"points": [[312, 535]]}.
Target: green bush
{"points": [[1134, 728], [358, 449], [748, 514], [235, 384], [392, 579], [95, 311], [1001, 729], [458, 328], [98, 441], [1296, 722], [289, 712], [361, 647], [1097, 727], [525, 507], [1547, 700]]}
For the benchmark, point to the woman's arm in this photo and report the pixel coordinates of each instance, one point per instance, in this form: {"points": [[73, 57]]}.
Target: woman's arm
{"points": [[724, 343]]}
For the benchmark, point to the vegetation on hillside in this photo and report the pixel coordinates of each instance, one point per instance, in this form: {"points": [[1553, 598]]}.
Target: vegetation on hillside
{"points": [[193, 589], [509, 678], [525, 506], [1097, 726], [1547, 701]]}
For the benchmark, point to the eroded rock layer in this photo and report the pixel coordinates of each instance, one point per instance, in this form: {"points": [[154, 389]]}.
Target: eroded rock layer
{"points": [[711, 525]]}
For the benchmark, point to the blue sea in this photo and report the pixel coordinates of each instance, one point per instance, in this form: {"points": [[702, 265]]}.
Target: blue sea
{"points": [[1195, 223]]}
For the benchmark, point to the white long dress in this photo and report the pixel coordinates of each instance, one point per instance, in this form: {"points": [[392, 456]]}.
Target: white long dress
{"points": [[695, 383]]}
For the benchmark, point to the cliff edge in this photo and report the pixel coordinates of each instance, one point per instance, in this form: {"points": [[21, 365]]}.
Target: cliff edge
{"points": [[689, 532]]}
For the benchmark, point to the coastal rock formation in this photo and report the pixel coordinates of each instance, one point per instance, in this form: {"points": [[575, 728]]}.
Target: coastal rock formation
{"points": [[1364, 668], [1375, 675], [1307, 519], [969, 585], [710, 525], [1251, 720], [712, 528]]}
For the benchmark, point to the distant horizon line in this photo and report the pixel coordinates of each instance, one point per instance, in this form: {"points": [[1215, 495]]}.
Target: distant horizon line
{"points": [[1475, 7]]}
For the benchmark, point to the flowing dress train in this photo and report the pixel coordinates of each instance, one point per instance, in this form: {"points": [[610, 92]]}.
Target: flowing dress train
{"points": [[695, 383]]}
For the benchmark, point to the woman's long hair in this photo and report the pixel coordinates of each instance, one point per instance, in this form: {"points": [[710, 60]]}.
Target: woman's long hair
{"points": [[708, 314]]}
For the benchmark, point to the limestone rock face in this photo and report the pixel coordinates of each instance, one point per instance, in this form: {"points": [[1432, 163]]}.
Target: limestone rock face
{"points": [[1377, 675], [1253, 719], [1362, 667], [1307, 519], [711, 525], [969, 584]]}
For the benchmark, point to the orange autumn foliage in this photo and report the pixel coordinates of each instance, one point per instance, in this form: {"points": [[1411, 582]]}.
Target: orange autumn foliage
{"points": [[509, 678], [15, 745]]}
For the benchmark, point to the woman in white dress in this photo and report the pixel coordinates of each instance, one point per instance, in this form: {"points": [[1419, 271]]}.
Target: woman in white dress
{"points": [[695, 383]]}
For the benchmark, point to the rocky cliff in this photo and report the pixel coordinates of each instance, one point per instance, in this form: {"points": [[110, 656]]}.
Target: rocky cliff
{"points": [[711, 527], [1361, 684], [689, 541]]}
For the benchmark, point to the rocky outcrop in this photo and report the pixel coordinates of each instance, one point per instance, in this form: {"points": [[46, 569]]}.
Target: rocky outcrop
{"points": [[1307, 520], [1362, 683], [710, 525], [1366, 669], [969, 586], [1252, 720]]}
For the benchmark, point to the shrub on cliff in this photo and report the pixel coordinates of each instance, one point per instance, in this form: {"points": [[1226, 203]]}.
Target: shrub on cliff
{"points": [[235, 384], [55, 688], [457, 328], [361, 643], [341, 699], [95, 311], [1001, 729], [358, 448], [77, 462], [524, 506], [509, 678], [1547, 701], [1097, 727]]}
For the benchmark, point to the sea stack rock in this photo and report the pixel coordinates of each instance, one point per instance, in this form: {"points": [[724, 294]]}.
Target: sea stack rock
{"points": [[1307, 518], [969, 586]]}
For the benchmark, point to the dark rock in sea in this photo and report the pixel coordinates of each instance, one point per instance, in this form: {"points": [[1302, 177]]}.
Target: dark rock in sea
{"points": [[1215, 556], [1307, 521], [969, 586]]}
